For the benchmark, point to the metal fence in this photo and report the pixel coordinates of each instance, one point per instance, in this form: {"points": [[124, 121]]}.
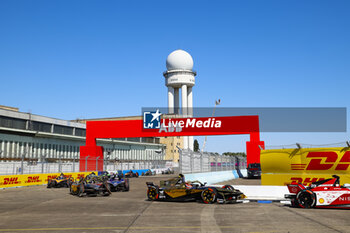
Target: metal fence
{"points": [[192, 162], [34, 167]]}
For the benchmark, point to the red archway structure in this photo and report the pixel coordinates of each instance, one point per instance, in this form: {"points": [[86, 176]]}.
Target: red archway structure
{"points": [[134, 128]]}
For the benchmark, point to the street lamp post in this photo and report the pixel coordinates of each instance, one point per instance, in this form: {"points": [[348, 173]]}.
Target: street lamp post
{"points": [[74, 163], [60, 163], [97, 163], [217, 102], [22, 160]]}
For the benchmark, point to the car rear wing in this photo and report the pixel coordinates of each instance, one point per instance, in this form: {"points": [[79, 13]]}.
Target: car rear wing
{"points": [[150, 184], [295, 188]]}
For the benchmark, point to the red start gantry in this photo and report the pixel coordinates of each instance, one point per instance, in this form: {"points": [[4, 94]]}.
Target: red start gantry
{"points": [[229, 125]]}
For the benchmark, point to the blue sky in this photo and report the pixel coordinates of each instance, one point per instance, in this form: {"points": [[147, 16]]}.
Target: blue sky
{"points": [[87, 59]]}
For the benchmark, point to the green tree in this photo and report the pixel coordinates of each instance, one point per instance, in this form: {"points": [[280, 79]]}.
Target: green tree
{"points": [[235, 154], [195, 145]]}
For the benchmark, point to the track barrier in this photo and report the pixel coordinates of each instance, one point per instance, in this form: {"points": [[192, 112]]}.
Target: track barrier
{"points": [[216, 177], [7, 181], [304, 165]]}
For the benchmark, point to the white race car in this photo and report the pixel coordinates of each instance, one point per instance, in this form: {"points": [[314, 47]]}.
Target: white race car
{"points": [[321, 194]]}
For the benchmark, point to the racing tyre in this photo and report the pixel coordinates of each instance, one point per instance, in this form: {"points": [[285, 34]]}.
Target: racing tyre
{"points": [[81, 190], [152, 194], [209, 195], [126, 185], [72, 191], [53, 184], [107, 190], [69, 182], [49, 184], [306, 199], [111, 187]]}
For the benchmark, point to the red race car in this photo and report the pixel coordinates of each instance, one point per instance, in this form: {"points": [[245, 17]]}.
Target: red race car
{"points": [[321, 194]]}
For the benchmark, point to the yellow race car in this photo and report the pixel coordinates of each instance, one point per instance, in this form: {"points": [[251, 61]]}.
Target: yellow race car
{"points": [[60, 181]]}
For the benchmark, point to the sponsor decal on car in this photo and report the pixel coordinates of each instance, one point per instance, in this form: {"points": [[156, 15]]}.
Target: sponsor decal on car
{"points": [[305, 181]]}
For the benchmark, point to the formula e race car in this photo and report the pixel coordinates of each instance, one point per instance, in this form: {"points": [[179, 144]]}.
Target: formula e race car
{"points": [[60, 181], [177, 189], [116, 184], [131, 174], [90, 186], [321, 194], [148, 173], [168, 171]]}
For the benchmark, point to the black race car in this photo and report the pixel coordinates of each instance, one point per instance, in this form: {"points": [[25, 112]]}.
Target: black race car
{"points": [[91, 185], [177, 189]]}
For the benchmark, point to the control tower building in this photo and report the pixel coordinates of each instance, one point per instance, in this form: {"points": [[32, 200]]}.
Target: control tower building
{"points": [[180, 76]]}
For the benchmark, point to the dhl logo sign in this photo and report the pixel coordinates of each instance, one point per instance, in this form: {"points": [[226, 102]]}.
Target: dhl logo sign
{"points": [[51, 177], [324, 160], [306, 165], [10, 181], [33, 179], [80, 176], [305, 181]]}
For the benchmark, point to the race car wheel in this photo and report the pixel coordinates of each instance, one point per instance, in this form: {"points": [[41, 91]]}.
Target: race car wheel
{"points": [[306, 199], [49, 184], [69, 182], [209, 195], [81, 190], [126, 185], [111, 187], [228, 187], [152, 194], [107, 190], [72, 191]]}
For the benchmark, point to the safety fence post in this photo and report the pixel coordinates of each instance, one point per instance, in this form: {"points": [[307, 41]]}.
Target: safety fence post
{"points": [[22, 160], [97, 163], [59, 163], [86, 162]]}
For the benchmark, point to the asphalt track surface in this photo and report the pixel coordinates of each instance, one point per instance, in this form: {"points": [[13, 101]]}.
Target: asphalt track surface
{"points": [[38, 209]]}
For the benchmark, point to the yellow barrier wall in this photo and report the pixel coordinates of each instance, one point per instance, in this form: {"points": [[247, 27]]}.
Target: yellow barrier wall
{"points": [[7, 181], [284, 166]]}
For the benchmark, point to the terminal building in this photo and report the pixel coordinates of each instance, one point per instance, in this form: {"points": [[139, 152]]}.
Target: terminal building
{"points": [[30, 137]]}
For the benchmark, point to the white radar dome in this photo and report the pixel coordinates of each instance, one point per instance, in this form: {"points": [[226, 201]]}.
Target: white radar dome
{"points": [[179, 60]]}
